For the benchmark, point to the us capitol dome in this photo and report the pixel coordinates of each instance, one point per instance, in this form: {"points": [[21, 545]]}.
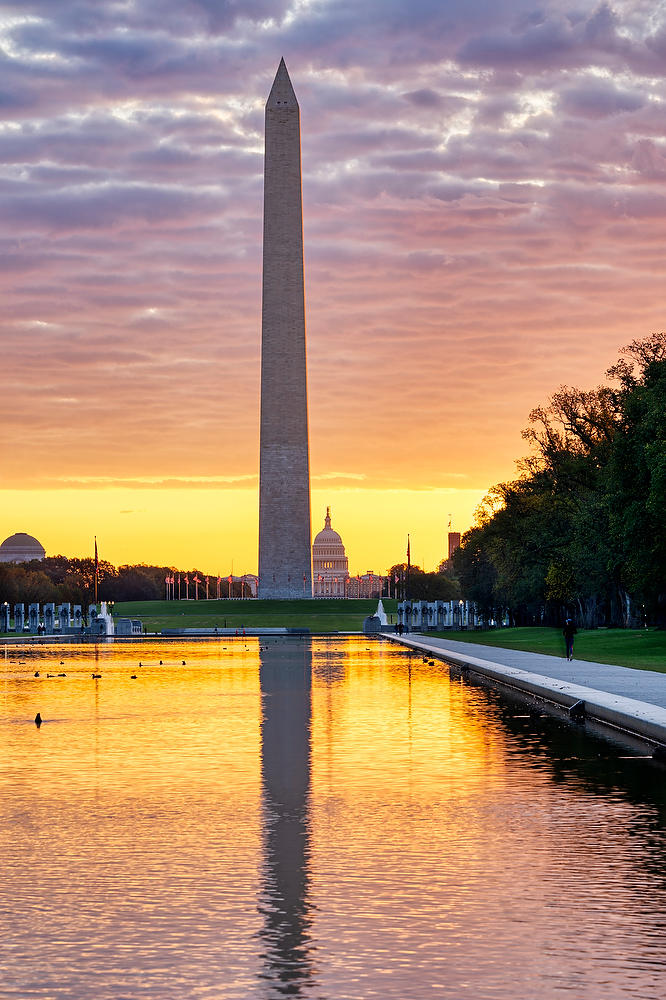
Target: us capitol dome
{"points": [[20, 548], [330, 566]]}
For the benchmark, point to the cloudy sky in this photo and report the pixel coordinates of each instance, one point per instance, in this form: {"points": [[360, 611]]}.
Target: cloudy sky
{"points": [[484, 207]]}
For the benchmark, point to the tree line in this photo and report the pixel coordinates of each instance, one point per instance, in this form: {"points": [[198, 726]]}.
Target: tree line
{"points": [[582, 530], [61, 580]]}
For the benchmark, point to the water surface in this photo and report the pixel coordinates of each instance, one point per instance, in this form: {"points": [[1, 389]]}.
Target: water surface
{"points": [[330, 819]]}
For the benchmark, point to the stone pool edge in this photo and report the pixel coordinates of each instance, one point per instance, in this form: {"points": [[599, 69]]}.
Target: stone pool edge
{"points": [[638, 718]]}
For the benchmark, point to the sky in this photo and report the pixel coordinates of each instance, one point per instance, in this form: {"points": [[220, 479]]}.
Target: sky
{"points": [[484, 198]]}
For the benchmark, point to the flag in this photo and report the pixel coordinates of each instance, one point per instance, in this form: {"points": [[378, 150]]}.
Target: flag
{"points": [[96, 569]]}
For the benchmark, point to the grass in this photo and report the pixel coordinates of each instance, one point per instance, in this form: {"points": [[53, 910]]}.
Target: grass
{"points": [[644, 649], [325, 615]]}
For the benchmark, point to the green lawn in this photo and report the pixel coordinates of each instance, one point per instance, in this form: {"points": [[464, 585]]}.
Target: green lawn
{"points": [[318, 616], [642, 648]]}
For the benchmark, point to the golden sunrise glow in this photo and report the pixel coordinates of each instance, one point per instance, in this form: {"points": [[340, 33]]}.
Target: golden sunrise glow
{"points": [[209, 528]]}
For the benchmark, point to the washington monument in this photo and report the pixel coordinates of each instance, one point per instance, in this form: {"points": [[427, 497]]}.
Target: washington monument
{"points": [[285, 560]]}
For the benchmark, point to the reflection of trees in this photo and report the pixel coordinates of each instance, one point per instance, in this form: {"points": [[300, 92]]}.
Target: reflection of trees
{"points": [[286, 685], [573, 755]]}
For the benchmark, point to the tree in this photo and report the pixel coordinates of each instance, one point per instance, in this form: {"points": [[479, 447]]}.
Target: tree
{"points": [[636, 475], [475, 570], [584, 524]]}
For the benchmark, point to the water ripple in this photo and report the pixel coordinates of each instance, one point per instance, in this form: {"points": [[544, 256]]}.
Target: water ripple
{"points": [[319, 820]]}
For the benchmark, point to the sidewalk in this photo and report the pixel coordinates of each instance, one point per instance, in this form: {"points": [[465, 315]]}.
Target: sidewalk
{"points": [[631, 700]]}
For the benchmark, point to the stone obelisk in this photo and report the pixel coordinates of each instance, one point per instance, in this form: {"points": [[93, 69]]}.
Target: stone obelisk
{"points": [[285, 554]]}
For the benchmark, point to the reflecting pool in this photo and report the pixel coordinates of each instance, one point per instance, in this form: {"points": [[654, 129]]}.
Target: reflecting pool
{"points": [[313, 818]]}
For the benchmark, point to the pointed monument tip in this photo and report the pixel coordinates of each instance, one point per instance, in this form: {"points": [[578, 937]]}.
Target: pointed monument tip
{"points": [[282, 94], [282, 70]]}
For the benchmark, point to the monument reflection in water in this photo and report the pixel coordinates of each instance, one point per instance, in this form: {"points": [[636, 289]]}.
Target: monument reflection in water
{"points": [[286, 702]]}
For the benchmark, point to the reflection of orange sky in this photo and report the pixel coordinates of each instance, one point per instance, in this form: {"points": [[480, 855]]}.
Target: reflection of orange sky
{"points": [[434, 846], [442, 845], [423, 717], [215, 682]]}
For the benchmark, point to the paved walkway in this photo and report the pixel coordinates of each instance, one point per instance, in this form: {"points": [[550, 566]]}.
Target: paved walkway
{"points": [[631, 699], [645, 685]]}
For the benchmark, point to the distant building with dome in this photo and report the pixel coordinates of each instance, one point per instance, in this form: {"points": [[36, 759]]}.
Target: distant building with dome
{"points": [[330, 566], [20, 548]]}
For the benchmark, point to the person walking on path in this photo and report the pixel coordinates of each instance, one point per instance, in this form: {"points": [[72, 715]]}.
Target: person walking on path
{"points": [[569, 632]]}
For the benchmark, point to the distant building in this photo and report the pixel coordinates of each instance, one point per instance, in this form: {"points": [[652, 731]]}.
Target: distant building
{"points": [[454, 543], [236, 586], [248, 584], [330, 566], [21, 548], [370, 584]]}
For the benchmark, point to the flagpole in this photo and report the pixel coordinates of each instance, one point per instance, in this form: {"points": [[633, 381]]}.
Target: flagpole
{"points": [[96, 568], [409, 566]]}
